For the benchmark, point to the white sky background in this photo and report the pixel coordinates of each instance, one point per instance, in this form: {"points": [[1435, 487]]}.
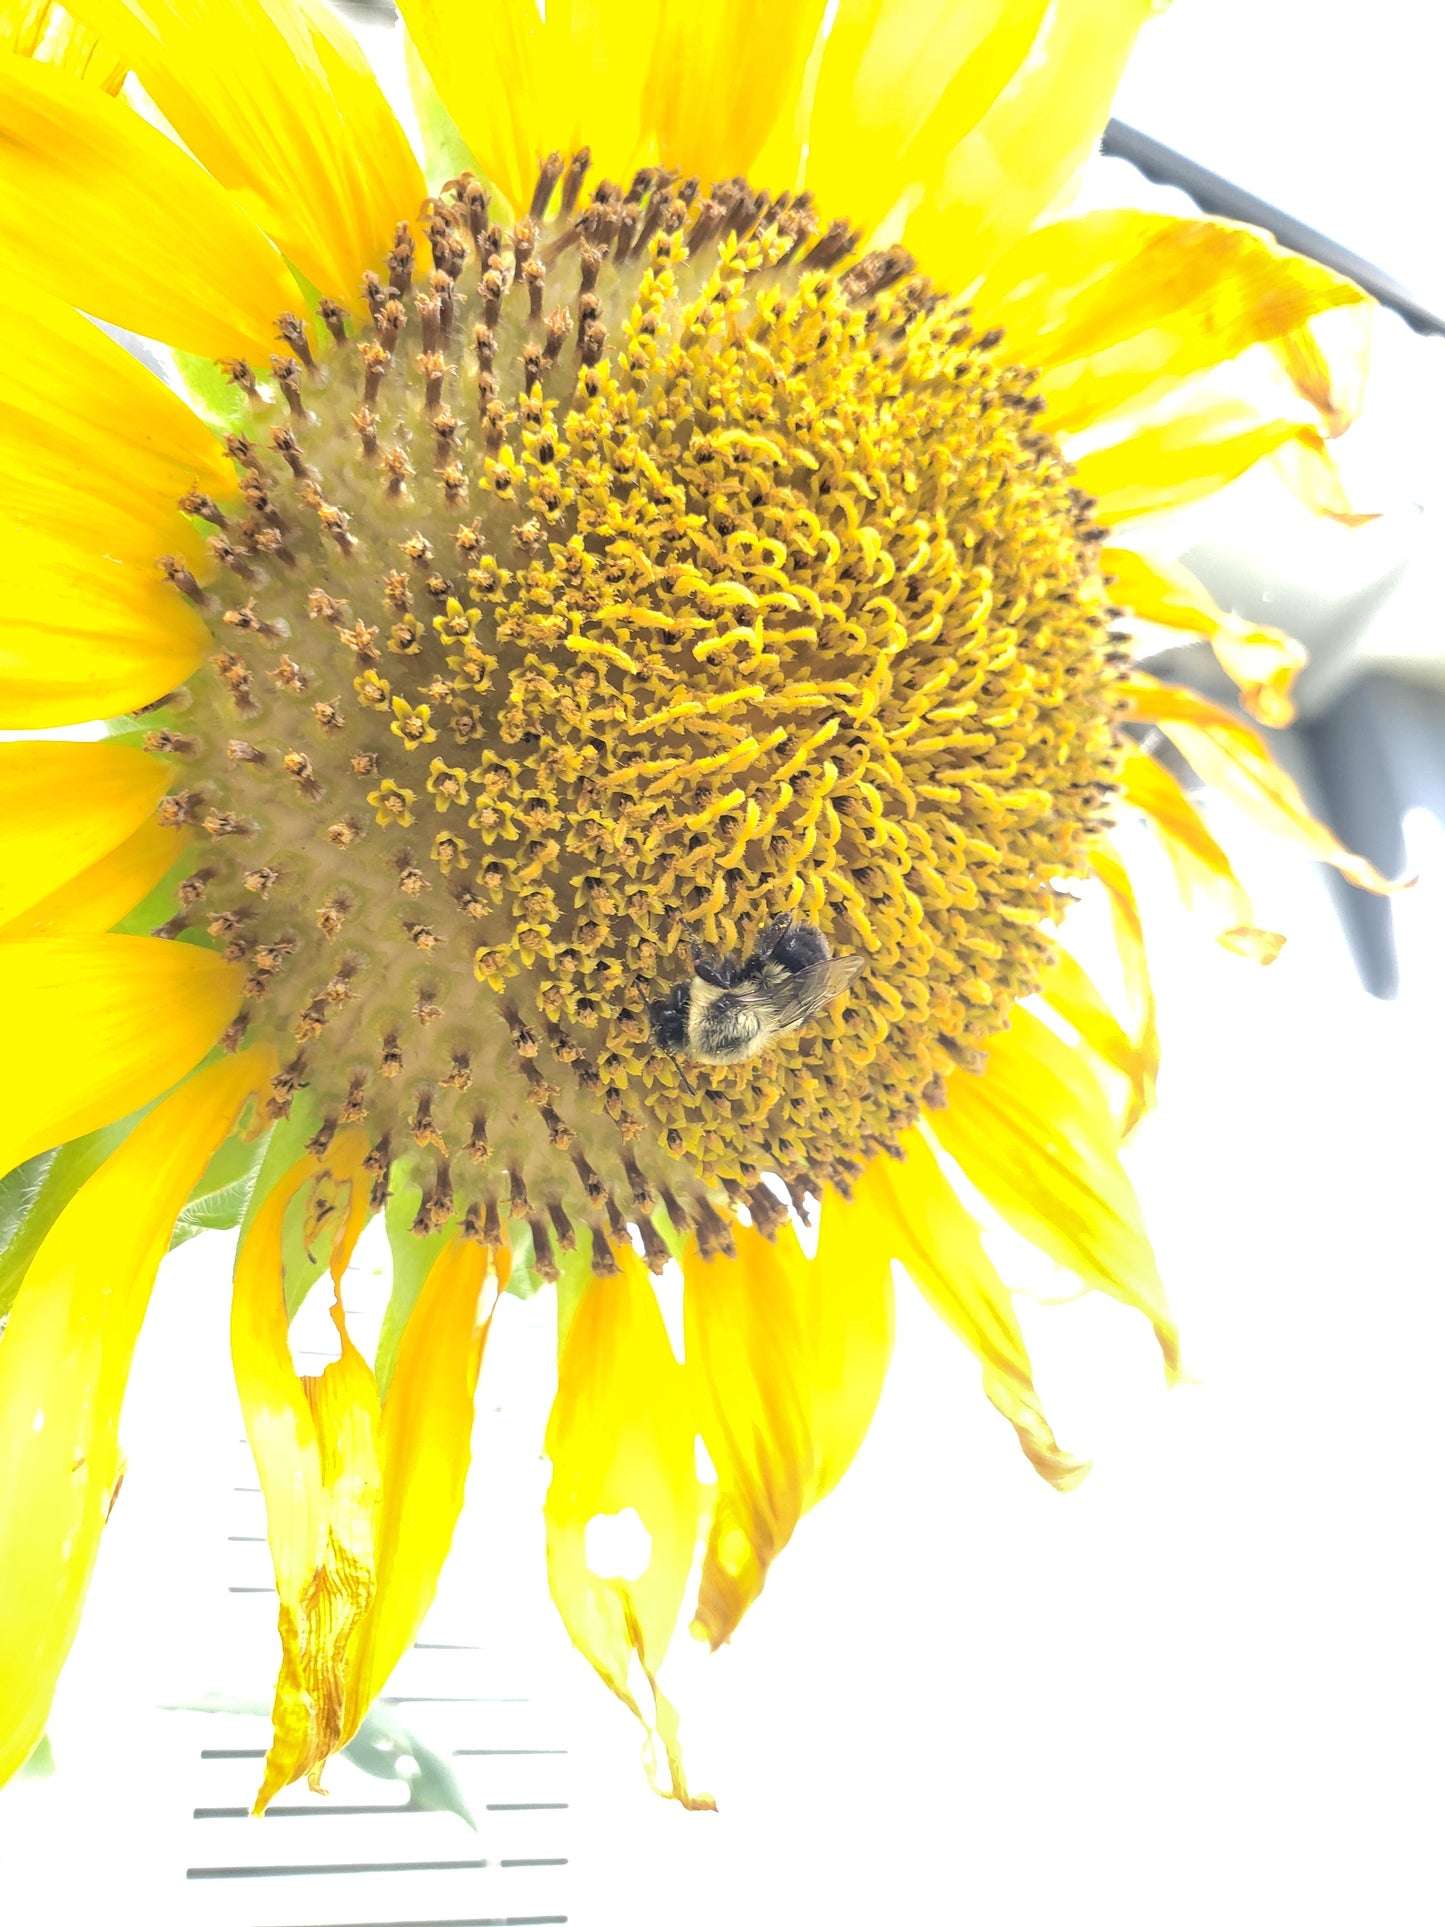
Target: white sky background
{"points": [[1206, 1686]]}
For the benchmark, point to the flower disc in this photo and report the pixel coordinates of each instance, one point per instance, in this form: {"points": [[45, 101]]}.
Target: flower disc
{"points": [[636, 577]]}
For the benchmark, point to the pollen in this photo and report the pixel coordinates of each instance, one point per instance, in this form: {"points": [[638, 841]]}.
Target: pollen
{"points": [[653, 567]]}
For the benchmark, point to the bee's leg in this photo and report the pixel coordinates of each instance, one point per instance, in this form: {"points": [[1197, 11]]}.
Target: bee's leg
{"points": [[669, 1019]]}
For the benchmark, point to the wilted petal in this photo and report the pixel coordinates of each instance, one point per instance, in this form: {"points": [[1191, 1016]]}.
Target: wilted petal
{"points": [[1327, 361], [1262, 661], [1201, 869], [620, 1438], [315, 1445], [1191, 451], [1117, 304], [1231, 758]]}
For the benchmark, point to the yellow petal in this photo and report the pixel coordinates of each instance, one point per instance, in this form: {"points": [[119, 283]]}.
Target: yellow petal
{"points": [[167, 251], [1231, 758], [1030, 144], [1308, 468], [620, 1438], [63, 806], [1134, 968], [1327, 362], [64, 1361], [93, 1027], [1200, 866], [93, 448], [1183, 456], [709, 104], [97, 899], [1114, 304], [315, 1443], [1034, 1134], [1263, 662], [579, 76], [898, 87], [40, 30], [426, 1448], [790, 1359], [912, 1209], [1069, 989], [86, 634], [276, 100]]}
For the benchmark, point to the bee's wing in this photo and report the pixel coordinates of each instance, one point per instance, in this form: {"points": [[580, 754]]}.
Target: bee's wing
{"points": [[809, 990]]}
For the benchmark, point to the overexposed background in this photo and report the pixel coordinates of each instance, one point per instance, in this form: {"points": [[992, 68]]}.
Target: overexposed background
{"points": [[1204, 1687]]}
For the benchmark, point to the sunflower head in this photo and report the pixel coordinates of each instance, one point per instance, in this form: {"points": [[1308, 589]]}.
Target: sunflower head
{"points": [[580, 612], [652, 568]]}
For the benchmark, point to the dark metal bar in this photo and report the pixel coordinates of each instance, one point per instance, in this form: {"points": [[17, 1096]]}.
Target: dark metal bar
{"points": [[1212, 194]]}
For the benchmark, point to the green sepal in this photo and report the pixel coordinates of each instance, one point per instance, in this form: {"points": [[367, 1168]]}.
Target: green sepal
{"points": [[221, 401], [573, 1278], [223, 1193], [412, 1257], [300, 1268], [159, 906]]}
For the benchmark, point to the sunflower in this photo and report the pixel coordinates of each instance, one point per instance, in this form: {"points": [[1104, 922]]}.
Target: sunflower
{"points": [[658, 553]]}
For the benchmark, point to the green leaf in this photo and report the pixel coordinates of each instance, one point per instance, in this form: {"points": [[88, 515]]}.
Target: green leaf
{"points": [[65, 1171], [384, 1748], [411, 1260]]}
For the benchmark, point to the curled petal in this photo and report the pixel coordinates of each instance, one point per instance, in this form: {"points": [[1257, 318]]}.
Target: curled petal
{"points": [[1326, 363], [620, 1438], [1263, 662], [64, 1361], [913, 1206], [1034, 1134], [1231, 758]]}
